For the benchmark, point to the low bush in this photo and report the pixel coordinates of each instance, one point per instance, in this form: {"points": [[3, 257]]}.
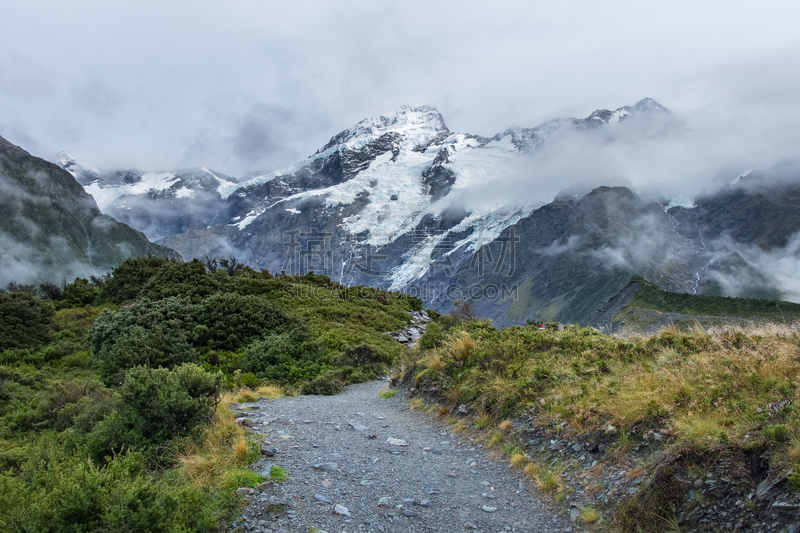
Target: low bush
{"points": [[25, 321]]}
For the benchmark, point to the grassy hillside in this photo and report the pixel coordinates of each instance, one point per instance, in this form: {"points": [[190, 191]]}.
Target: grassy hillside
{"points": [[650, 296], [114, 392], [659, 412]]}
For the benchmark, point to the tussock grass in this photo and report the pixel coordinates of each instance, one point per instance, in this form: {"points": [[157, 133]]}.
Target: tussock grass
{"points": [[703, 387], [495, 439], [505, 426], [793, 450], [482, 421], [519, 460], [461, 346], [221, 451], [272, 392], [246, 396], [386, 394], [589, 515], [416, 403], [532, 470], [547, 480]]}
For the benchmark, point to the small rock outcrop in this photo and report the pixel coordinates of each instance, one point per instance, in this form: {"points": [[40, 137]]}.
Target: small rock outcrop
{"points": [[409, 335]]}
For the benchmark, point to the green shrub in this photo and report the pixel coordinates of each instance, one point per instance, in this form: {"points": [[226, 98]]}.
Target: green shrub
{"points": [[181, 279], [25, 321], [432, 337], [326, 385], [159, 346], [163, 404], [794, 479], [65, 492], [234, 321], [128, 278], [289, 357], [79, 293], [777, 432]]}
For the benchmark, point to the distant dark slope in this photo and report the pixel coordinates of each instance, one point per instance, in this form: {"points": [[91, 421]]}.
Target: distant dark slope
{"points": [[51, 229], [642, 305]]}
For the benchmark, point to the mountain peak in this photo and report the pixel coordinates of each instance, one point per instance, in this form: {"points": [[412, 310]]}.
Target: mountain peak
{"points": [[421, 122], [645, 105], [648, 104]]}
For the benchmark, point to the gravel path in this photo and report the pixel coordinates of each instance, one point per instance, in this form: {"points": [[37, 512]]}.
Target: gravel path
{"points": [[345, 475]]}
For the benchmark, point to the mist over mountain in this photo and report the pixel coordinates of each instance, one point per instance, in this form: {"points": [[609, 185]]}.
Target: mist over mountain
{"points": [[51, 229], [545, 222]]}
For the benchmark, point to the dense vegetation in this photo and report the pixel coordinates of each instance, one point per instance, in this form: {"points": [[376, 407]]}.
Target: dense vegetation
{"points": [[113, 391], [721, 393], [650, 296]]}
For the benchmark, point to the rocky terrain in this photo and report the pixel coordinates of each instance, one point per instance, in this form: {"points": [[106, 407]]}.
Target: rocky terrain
{"points": [[357, 462]]}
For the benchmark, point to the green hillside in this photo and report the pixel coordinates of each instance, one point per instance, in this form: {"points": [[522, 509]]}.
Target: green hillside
{"points": [[114, 392], [650, 296]]}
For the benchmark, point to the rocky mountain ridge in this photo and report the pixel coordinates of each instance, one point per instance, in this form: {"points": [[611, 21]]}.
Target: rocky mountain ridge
{"points": [[400, 201]]}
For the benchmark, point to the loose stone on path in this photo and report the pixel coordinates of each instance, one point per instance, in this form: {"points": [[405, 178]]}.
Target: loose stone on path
{"points": [[344, 480]]}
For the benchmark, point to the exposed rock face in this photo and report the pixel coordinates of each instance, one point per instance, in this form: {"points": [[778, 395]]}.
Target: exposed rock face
{"points": [[51, 229]]}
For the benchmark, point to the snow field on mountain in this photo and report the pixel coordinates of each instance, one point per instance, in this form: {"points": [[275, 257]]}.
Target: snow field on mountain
{"points": [[109, 196]]}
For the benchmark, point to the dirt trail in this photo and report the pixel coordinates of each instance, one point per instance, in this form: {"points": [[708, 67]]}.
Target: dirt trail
{"points": [[339, 459]]}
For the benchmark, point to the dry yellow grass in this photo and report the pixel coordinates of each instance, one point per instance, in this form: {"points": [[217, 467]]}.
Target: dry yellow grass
{"points": [[532, 470], [520, 460], [221, 447], [443, 412], [240, 449], [432, 362], [547, 481], [793, 450], [505, 426], [589, 515], [416, 403], [461, 346], [270, 391], [245, 396]]}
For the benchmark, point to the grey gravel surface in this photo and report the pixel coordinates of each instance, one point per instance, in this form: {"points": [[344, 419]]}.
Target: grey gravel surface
{"points": [[356, 462]]}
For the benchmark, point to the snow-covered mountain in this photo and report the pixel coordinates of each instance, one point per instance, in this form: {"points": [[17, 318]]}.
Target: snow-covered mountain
{"points": [[158, 204], [402, 202]]}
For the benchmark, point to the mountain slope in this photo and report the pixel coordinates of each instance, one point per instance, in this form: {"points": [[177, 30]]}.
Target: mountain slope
{"points": [[51, 229], [644, 306]]}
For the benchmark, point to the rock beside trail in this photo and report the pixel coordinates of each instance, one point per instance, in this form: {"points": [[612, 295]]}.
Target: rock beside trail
{"points": [[409, 335]]}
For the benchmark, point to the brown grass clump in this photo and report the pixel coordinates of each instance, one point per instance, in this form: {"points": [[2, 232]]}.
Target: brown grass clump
{"points": [[245, 396], [532, 470], [432, 362], [270, 391], [793, 450], [520, 460], [589, 515], [240, 449], [505, 426], [222, 448], [443, 412], [461, 346]]}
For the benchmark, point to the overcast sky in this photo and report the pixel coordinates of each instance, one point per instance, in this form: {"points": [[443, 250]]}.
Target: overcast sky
{"points": [[240, 85]]}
